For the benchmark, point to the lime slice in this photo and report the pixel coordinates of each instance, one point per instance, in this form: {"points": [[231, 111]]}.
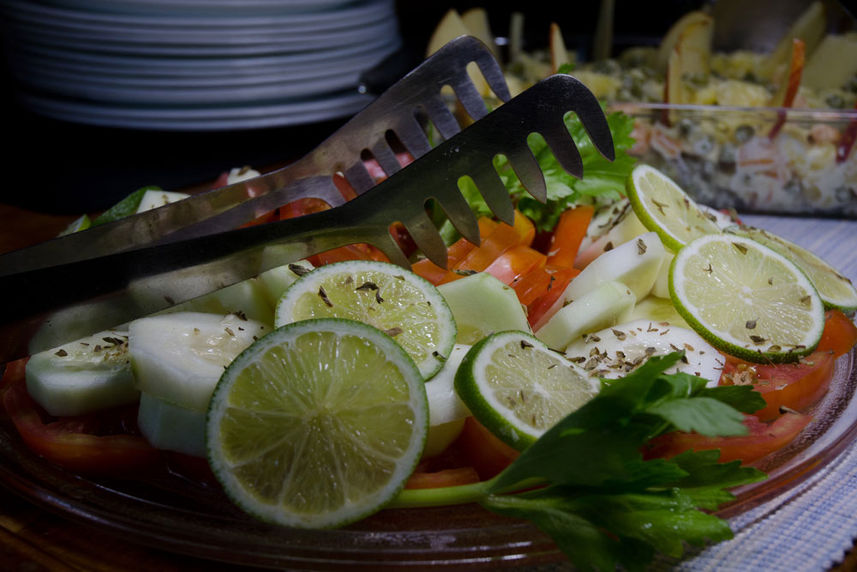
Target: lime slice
{"points": [[317, 424], [746, 299], [519, 388], [389, 297], [662, 206], [836, 291]]}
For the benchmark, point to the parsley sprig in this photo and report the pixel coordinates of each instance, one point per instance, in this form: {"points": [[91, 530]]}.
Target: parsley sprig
{"points": [[586, 483]]}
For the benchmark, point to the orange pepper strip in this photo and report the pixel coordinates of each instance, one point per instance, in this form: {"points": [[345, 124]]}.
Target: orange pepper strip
{"points": [[532, 286], [568, 235], [538, 311], [525, 228], [348, 252], [434, 273], [501, 239], [514, 263]]}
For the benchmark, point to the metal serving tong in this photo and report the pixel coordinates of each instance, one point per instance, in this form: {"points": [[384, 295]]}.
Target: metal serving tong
{"points": [[51, 305], [394, 115]]}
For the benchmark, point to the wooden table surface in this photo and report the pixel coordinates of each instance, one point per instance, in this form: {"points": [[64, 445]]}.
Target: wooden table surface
{"points": [[35, 540]]}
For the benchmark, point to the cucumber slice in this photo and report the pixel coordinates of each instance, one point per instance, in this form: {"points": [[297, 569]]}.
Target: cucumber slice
{"points": [[481, 305], [603, 236], [446, 410], [635, 264], [655, 309], [614, 352], [171, 428], [154, 198], [606, 305], [661, 287], [277, 280], [80, 377], [179, 357], [248, 298]]}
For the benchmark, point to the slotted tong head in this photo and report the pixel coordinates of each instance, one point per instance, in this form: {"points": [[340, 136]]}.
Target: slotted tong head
{"points": [[77, 285]]}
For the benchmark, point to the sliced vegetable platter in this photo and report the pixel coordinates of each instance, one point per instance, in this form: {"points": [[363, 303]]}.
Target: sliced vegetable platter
{"points": [[176, 515], [182, 507]]}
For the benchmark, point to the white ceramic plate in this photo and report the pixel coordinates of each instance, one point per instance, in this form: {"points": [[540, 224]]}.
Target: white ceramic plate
{"points": [[344, 16], [328, 60], [216, 42], [201, 118]]}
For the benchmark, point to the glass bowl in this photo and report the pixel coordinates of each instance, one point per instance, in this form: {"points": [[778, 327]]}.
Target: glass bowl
{"points": [[174, 514], [753, 159]]}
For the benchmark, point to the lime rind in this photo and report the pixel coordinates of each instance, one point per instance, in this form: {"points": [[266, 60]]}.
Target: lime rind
{"points": [[518, 388], [746, 299], [317, 424], [835, 290], [381, 294], [665, 208]]}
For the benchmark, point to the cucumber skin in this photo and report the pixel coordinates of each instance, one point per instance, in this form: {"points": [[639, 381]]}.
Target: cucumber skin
{"points": [[171, 428]]}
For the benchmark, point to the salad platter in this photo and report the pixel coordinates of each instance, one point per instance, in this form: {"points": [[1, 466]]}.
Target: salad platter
{"points": [[253, 418], [168, 511], [171, 513]]}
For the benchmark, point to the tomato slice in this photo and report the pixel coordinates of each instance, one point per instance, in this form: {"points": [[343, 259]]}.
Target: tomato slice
{"points": [[100, 444], [840, 333], [762, 439], [795, 386], [348, 252], [302, 207], [487, 454], [443, 478]]}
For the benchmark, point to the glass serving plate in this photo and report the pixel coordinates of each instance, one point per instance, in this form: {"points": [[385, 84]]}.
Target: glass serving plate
{"points": [[171, 513], [763, 160]]}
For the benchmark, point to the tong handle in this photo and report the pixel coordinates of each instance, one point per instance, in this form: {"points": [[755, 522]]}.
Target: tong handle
{"points": [[73, 300]]}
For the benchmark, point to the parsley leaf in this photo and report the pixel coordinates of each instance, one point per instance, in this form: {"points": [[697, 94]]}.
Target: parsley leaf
{"points": [[602, 180], [602, 503]]}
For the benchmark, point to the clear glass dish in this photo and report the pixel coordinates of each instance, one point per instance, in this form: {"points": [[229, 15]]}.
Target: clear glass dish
{"points": [[753, 159], [176, 515]]}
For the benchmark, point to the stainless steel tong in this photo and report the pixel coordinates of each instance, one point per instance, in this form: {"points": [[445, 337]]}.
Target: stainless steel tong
{"points": [[396, 117], [53, 304]]}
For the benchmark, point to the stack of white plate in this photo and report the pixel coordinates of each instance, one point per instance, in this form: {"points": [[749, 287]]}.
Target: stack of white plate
{"points": [[196, 64]]}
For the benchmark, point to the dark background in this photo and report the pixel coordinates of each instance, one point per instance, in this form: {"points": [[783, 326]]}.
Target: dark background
{"points": [[62, 167]]}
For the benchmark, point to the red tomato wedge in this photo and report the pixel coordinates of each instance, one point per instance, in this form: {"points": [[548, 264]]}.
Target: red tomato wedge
{"points": [[795, 386], [98, 444], [840, 333], [762, 439]]}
